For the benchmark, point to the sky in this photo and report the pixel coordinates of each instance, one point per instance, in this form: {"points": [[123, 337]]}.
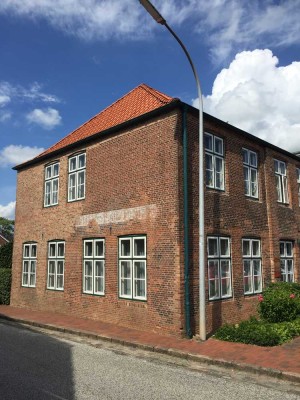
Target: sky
{"points": [[63, 61]]}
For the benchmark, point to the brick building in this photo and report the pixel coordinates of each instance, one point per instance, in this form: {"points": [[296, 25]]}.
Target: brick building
{"points": [[99, 230]]}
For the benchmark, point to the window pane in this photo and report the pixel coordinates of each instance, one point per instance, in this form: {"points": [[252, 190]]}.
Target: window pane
{"points": [[140, 288], [289, 264], [26, 266], [282, 267], [81, 161], [81, 184], [285, 189], [88, 284], [139, 247], [125, 269], [33, 250], [256, 267], [125, 248], [245, 156], [253, 159], [289, 249], [99, 285], [139, 269], [72, 164], [126, 287], [60, 267], [72, 187], [99, 248], [48, 193], [282, 168], [25, 279], [88, 249], [32, 267], [213, 247], [246, 180], [209, 170], [246, 248], [48, 172], [254, 186], [218, 145], [60, 250], [52, 250], [278, 188], [51, 281], [224, 247], [247, 268], [51, 267], [55, 169], [276, 166], [88, 268], [99, 268], [225, 268], [60, 282], [282, 249], [219, 173], [213, 269], [255, 248], [208, 142]]}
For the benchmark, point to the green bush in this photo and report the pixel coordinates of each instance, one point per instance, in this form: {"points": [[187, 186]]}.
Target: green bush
{"points": [[6, 255], [280, 302], [5, 285], [260, 333]]}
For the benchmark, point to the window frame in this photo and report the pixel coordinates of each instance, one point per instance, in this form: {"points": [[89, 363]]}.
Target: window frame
{"points": [[286, 258], [29, 259], [251, 258], [281, 182], [131, 260], [215, 156], [56, 259], [76, 171], [218, 259], [94, 259], [51, 179], [251, 169]]}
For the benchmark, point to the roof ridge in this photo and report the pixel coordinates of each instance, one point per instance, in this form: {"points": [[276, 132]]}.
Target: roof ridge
{"points": [[155, 93]]}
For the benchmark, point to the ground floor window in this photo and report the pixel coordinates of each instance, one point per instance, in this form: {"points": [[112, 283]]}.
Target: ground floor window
{"points": [[219, 267], [56, 265], [29, 264], [132, 267], [252, 266], [93, 266], [286, 261]]}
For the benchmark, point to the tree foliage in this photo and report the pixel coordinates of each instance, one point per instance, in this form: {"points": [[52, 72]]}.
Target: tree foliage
{"points": [[7, 227]]}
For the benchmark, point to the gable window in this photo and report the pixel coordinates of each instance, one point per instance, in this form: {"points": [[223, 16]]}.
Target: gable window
{"points": [[286, 261], [51, 184], [250, 173], [298, 184], [132, 267], [93, 266], [281, 181], [76, 180], [29, 264], [56, 265], [219, 267], [252, 266], [214, 161]]}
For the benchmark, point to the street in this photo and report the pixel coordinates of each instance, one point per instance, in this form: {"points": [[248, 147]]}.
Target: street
{"points": [[38, 366]]}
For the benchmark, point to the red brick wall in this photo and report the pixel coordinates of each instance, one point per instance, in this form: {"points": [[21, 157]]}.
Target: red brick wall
{"points": [[135, 168]]}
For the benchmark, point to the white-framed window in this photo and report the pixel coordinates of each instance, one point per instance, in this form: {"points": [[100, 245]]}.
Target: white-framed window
{"points": [[51, 184], [252, 266], [94, 266], [56, 265], [250, 173], [214, 161], [281, 181], [298, 184], [287, 261], [133, 267], [29, 264], [76, 180], [219, 267]]}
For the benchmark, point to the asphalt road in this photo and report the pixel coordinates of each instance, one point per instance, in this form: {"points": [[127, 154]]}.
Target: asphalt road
{"points": [[36, 366]]}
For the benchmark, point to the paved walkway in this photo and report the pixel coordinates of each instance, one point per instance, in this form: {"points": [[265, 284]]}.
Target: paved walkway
{"points": [[282, 361]]}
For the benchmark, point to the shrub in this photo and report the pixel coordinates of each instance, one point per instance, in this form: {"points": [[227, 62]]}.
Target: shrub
{"points": [[260, 333], [6, 255], [280, 302], [5, 285]]}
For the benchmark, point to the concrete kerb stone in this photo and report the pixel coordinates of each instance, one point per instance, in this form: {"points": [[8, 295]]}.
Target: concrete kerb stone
{"points": [[274, 373]]}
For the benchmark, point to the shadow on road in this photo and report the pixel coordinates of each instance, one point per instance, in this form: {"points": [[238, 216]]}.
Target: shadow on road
{"points": [[34, 366]]}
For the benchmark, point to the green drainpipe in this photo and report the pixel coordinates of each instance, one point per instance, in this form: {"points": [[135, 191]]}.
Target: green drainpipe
{"points": [[188, 330]]}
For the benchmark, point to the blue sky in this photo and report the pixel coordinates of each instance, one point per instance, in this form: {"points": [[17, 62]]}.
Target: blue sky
{"points": [[63, 61]]}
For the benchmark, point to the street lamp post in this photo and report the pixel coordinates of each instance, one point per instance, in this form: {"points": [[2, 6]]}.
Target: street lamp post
{"points": [[202, 311]]}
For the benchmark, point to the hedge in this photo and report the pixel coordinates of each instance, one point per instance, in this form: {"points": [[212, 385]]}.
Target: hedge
{"points": [[5, 285], [6, 255]]}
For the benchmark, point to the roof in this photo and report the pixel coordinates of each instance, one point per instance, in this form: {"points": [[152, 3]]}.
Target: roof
{"points": [[138, 101]]}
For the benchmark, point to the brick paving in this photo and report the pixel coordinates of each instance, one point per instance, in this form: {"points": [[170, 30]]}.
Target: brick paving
{"points": [[282, 360]]}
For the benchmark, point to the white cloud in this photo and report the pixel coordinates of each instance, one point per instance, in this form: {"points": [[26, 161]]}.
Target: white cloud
{"points": [[224, 25], [17, 154], [256, 95], [8, 211], [5, 116], [4, 99], [34, 92], [47, 118]]}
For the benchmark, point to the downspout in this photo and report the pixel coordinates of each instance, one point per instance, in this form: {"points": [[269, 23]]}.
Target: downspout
{"points": [[187, 308]]}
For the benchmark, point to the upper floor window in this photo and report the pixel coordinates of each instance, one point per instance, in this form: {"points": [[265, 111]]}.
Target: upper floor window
{"points": [[286, 261], [252, 266], [29, 264], [281, 181], [214, 160], [56, 265], [93, 266], [132, 267], [76, 181], [219, 267], [51, 184], [250, 173], [298, 184]]}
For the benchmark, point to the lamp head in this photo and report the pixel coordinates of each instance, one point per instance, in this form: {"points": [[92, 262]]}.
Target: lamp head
{"points": [[153, 12]]}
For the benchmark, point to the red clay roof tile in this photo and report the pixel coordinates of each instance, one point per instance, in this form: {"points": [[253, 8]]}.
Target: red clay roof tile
{"points": [[137, 102]]}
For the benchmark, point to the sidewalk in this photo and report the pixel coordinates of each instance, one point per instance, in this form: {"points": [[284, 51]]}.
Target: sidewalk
{"points": [[281, 362]]}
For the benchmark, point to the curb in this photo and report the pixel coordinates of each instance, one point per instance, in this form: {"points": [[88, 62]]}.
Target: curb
{"points": [[273, 373]]}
